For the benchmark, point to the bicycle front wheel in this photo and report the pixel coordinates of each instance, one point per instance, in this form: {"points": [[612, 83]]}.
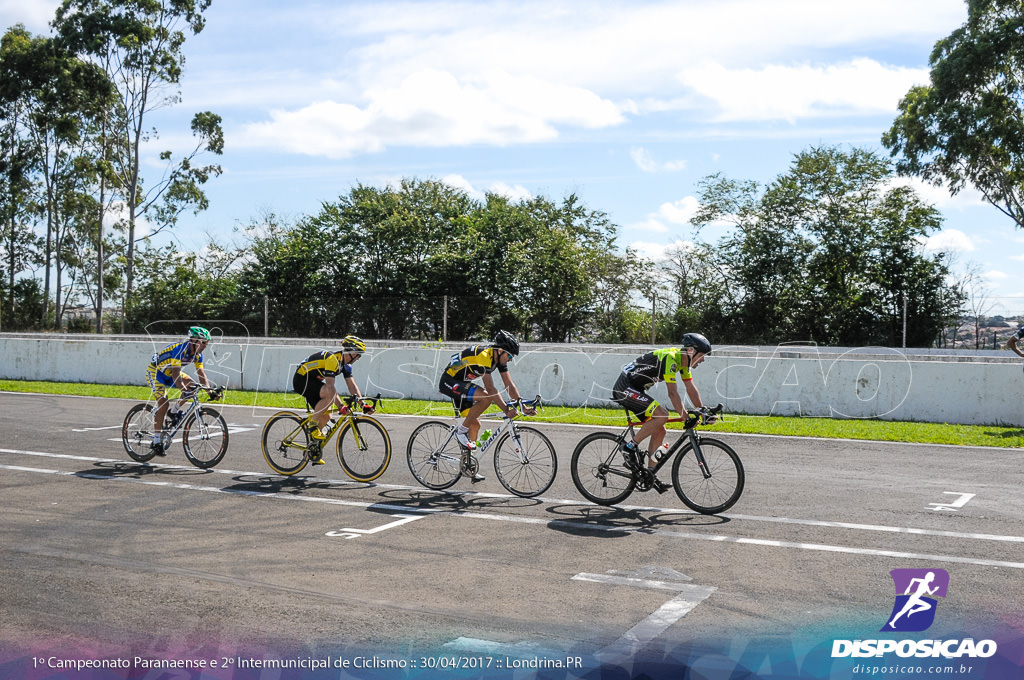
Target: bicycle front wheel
{"points": [[434, 454], [599, 471], [284, 443], [525, 462], [364, 449], [719, 488], [137, 433], [205, 438]]}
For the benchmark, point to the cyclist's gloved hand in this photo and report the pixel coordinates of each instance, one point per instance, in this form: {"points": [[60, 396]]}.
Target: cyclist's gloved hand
{"points": [[529, 410], [368, 409]]}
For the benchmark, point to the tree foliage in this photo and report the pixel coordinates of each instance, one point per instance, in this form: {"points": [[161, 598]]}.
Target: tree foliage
{"points": [[828, 252], [967, 125]]}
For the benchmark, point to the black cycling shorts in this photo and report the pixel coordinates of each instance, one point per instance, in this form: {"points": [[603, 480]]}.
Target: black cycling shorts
{"points": [[460, 391], [637, 402], [309, 387]]}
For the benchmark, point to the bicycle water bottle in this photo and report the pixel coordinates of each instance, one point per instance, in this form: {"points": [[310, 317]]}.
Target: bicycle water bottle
{"points": [[661, 452], [484, 436]]}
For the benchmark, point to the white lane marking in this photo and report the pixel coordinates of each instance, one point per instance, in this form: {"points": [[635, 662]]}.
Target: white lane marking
{"points": [[529, 520], [568, 501], [645, 631], [953, 506], [93, 429]]}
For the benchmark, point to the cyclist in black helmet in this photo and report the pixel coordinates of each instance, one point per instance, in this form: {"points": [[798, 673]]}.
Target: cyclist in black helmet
{"points": [[470, 399], [640, 375]]}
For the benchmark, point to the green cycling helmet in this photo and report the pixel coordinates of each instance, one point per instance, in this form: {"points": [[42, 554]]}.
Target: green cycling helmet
{"points": [[198, 333]]}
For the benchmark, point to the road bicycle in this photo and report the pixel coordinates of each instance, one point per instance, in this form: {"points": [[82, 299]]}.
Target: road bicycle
{"points": [[709, 480], [363, 445], [204, 432], [524, 458]]}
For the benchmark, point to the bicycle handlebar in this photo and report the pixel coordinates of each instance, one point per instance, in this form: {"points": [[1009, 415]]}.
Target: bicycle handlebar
{"points": [[536, 402], [373, 401], [693, 417]]}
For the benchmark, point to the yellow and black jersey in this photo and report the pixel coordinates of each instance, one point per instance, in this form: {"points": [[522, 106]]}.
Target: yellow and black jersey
{"points": [[474, 362], [324, 364]]}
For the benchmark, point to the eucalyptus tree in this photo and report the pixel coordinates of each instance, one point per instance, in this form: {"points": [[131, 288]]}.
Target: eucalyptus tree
{"points": [[140, 43], [966, 126]]}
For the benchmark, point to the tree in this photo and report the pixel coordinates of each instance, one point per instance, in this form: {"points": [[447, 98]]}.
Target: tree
{"points": [[967, 124], [828, 253], [140, 42]]}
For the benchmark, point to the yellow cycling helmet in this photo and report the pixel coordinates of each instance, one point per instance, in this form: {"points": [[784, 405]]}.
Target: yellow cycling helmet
{"points": [[353, 345]]}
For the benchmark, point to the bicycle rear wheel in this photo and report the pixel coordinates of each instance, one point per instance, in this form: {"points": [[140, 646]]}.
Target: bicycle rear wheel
{"points": [[434, 455], [137, 433], [720, 489], [364, 449], [284, 443], [526, 467], [599, 471], [205, 437]]}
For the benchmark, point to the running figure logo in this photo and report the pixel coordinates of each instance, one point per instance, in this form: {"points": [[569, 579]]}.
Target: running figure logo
{"points": [[916, 590]]}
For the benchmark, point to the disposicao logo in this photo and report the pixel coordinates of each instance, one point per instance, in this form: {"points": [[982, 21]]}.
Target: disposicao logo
{"points": [[916, 590], [914, 611]]}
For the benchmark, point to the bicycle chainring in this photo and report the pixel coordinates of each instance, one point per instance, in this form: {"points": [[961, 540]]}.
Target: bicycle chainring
{"points": [[470, 465], [644, 479]]}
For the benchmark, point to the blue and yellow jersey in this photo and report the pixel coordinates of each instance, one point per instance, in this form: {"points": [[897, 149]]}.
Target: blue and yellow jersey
{"points": [[661, 365], [324, 364], [474, 362], [177, 355]]}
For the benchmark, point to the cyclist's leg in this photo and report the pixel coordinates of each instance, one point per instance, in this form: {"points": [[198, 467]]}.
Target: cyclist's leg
{"points": [[312, 390], [158, 383], [654, 427], [646, 409], [466, 397], [328, 393]]}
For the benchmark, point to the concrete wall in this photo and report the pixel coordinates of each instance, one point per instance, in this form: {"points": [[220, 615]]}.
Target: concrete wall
{"points": [[967, 388]]}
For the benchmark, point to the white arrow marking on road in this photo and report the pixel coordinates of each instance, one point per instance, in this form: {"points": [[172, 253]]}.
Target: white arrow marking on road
{"points": [[356, 533], [955, 505], [654, 625]]}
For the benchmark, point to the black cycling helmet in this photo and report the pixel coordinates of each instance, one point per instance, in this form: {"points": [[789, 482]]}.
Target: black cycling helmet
{"points": [[698, 342], [506, 341]]}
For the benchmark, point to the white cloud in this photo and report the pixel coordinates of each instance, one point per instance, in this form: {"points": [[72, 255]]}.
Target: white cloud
{"points": [[34, 14], [950, 241], [781, 92], [658, 251], [513, 193], [433, 109], [645, 161], [452, 73], [679, 212]]}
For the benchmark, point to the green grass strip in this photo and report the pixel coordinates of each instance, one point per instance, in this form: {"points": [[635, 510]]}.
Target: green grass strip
{"points": [[875, 430]]}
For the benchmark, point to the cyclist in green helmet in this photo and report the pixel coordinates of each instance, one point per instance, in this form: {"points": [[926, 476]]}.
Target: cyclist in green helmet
{"points": [[164, 371]]}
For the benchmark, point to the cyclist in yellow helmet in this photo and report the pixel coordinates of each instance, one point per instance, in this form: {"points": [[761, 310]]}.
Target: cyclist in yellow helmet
{"points": [[314, 380]]}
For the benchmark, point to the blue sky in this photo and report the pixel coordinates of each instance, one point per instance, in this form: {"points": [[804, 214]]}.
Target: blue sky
{"points": [[626, 104]]}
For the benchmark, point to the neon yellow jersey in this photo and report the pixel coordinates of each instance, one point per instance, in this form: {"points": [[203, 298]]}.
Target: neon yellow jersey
{"points": [[661, 365]]}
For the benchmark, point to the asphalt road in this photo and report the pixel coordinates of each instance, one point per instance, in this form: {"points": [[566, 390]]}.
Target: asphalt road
{"points": [[99, 552]]}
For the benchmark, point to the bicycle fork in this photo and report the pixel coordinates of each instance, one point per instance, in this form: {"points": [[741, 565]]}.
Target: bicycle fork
{"points": [[702, 463]]}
